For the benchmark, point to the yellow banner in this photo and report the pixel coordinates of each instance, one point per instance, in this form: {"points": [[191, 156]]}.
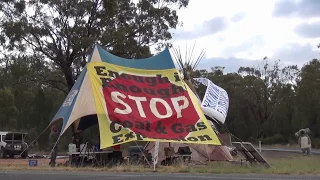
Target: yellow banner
{"points": [[146, 105]]}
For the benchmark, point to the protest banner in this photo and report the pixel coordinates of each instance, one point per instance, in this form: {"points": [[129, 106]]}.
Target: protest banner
{"points": [[146, 105], [215, 103]]}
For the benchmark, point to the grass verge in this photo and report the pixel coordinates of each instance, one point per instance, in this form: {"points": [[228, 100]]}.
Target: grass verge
{"points": [[291, 165]]}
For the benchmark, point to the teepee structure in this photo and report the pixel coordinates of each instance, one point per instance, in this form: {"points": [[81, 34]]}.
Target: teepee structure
{"points": [[188, 64], [200, 152]]}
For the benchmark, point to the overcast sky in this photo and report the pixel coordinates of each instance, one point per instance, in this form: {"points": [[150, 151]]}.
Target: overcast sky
{"points": [[238, 33]]}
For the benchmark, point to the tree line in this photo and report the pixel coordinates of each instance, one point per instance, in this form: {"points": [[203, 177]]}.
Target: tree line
{"points": [[269, 102]]}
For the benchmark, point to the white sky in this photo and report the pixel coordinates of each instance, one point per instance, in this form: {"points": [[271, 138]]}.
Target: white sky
{"points": [[256, 35]]}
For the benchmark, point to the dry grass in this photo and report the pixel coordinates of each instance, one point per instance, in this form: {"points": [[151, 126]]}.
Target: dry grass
{"points": [[290, 165], [279, 166]]}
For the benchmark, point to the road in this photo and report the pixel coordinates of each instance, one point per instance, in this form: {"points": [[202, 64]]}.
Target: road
{"points": [[313, 151], [57, 175]]}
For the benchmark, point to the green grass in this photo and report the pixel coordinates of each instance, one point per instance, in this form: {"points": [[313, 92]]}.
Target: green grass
{"points": [[293, 165]]}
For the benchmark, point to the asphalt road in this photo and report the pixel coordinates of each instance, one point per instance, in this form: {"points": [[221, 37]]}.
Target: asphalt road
{"points": [[57, 175]]}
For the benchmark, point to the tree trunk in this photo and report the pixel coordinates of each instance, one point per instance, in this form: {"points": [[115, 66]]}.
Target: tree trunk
{"points": [[70, 82], [69, 77]]}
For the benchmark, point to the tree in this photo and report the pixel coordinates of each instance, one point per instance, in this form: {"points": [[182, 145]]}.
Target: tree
{"points": [[64, 31], [264, 90], [8, 110], [308, 95]]}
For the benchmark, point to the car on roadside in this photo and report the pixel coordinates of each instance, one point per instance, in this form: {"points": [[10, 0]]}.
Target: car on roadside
{"points": [[2, 143], [16, 144]]}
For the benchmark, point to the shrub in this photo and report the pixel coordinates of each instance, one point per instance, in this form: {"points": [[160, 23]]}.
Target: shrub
{"points": [[276, 139]]}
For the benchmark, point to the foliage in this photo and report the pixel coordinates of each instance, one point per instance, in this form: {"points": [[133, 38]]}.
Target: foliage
{"points": [[8, 110], [64, 31], [26, 101], [270, 103]]}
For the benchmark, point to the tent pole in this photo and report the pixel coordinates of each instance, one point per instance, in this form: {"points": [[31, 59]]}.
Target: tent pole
{"points": [[143, 154], [156, 155], [54, 145]]}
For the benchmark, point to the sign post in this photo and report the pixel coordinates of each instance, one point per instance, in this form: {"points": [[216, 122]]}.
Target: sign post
{"points": [[156, 153]]}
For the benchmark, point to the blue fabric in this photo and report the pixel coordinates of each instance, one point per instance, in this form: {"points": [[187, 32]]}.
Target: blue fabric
{"points": [[65, 111], [162, 60]]}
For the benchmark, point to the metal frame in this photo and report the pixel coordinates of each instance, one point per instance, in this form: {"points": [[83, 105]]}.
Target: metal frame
{"points": [[250, 153]]}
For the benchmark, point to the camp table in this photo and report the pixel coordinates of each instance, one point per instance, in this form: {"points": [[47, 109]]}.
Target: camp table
{"points": [[97, 157]]}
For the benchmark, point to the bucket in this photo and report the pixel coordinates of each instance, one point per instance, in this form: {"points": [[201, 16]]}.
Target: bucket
{"points": [[97, 148], [72, 148], [33, 162]]}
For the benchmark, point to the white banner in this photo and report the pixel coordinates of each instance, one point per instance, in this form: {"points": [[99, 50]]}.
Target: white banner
{"points": [[215, 102]]}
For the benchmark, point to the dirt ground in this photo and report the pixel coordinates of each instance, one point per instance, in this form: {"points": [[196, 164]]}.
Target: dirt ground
{"points": [[25, 162]]}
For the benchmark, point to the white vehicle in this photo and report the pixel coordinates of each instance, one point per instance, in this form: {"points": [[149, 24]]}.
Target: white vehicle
{"points": [[2, 143]]}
